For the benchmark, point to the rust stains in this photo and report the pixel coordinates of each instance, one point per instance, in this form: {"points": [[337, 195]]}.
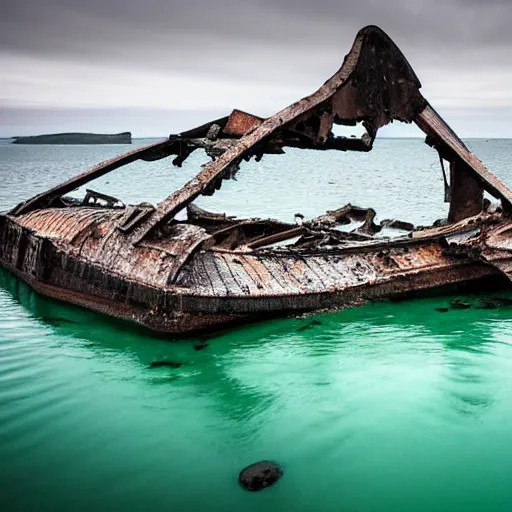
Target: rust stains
{"points": [[241, 123], [199, 270]]}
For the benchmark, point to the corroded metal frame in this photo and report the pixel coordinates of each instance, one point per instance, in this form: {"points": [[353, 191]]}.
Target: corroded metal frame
{"points": [[138, 263]]}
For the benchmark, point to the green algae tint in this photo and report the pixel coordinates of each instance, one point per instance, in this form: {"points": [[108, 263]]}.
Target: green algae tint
{"points": [[384, 407], [389, 407]]}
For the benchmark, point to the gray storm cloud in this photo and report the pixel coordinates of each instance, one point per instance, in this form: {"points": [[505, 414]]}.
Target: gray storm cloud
{"points": [[203, 56]]}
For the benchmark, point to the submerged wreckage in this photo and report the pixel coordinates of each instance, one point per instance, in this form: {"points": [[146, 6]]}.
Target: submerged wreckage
{"points": [[139, 262]]}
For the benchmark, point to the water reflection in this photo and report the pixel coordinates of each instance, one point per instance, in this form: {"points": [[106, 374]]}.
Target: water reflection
{"points": [[382, 335], [338, 392], [121, 342], [409, 321]]}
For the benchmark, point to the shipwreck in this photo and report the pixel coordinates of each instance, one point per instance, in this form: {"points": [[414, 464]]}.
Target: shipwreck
{"points": [[177, 273]]}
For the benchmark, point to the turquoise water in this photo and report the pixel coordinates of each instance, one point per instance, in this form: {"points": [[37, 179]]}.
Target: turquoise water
{"points": [[392, 406]]}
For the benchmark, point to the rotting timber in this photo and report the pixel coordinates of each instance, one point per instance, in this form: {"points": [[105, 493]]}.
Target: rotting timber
{"points": [[139, 262]]}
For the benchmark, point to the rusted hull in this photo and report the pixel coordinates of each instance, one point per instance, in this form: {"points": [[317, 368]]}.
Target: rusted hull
{"points": [[217, 288], [176, 268]]}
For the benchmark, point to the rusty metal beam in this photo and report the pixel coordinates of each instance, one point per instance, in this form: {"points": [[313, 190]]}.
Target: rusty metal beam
{"points": [[435, 127], [380, 86], [467, 193], [45, 198]]}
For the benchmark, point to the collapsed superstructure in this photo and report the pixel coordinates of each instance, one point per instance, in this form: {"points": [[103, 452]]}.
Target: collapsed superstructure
{"points": [[141, 263]]}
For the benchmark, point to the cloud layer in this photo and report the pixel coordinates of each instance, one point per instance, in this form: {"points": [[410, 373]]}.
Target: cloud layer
{"points": [[144, 62]]}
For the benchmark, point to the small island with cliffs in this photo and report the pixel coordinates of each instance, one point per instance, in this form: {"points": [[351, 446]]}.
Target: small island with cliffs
{"points": [[76, 138]]}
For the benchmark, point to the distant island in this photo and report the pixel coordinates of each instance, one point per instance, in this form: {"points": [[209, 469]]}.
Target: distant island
{"points": [[76, 138]]}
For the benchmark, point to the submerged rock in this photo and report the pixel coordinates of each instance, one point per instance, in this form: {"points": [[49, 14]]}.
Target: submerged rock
{"points": [[495, 303], [459, 304], [200, 345], [260, 475], [504, 301], [170, 364], [488, 304], [442, 310]]}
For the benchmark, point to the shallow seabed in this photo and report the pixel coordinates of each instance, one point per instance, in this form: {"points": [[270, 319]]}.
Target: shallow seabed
{"points": [[391, 406]]}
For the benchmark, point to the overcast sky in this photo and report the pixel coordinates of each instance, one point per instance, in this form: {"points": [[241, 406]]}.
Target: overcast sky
{"points": [[159, 66]]}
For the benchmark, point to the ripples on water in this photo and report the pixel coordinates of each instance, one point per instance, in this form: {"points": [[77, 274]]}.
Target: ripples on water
{"points": [[393, 406]]}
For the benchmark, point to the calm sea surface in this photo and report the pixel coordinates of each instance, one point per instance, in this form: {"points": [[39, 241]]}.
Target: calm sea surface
{"points": [[389, 407]]}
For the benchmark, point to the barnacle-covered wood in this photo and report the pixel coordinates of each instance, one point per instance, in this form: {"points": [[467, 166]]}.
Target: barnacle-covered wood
{"points": [[199, 270]]}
